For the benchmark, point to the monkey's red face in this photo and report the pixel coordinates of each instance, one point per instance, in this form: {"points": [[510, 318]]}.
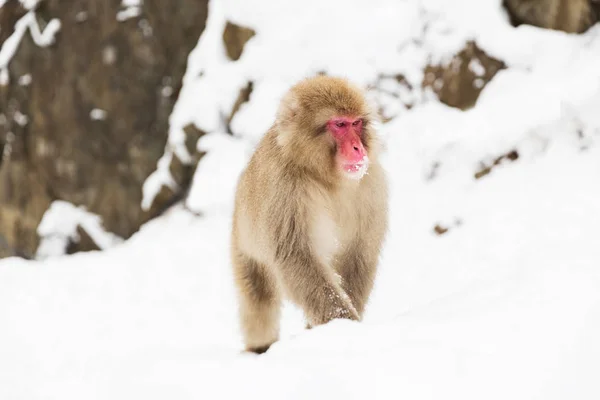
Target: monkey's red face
{"points": [[351, 155]]}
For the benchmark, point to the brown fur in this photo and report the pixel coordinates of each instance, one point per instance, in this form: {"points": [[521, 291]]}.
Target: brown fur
{"points": [[301, 230], [573, 16]]}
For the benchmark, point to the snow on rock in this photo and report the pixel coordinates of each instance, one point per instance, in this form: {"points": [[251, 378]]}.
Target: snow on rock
{"points": [[25, 80], [160, 177], [4, 77], [41, 38], [46, 37], [97, 114], [20, 118], [504, 305], [409, 36], [476, 67], [27, 4], [218, 172], [131, 9], [59, 227]]}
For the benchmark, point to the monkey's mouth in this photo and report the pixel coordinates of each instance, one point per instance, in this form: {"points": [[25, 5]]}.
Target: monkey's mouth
{"points": [[356, 170]]}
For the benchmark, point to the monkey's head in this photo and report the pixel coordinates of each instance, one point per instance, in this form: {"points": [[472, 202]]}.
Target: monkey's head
{"points": [[324, 125]]}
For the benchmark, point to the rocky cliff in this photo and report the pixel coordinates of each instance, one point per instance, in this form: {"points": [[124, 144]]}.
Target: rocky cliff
{"points": [[84, 117]]}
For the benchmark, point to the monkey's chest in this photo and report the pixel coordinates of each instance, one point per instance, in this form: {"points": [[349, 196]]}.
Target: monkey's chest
{"points": [[332, 233]]}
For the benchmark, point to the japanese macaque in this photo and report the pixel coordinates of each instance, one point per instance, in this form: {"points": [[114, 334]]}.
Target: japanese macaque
{"points": [[310, 211], [573, 16]]}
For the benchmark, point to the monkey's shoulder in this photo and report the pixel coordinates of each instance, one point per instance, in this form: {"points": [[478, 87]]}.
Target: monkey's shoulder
{"points": [[375, 183]]}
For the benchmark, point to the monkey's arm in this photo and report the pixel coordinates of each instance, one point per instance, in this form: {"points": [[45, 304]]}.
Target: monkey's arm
{"points": [[357, 267], [308, 282], [309, 285]]}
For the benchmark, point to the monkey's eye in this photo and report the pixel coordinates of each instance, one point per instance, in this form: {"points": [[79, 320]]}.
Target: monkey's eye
{"points": [[355, 123], [340, 124]]}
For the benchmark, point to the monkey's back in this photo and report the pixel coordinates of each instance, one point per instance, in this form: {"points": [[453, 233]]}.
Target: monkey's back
{"points": [[257, 197]]}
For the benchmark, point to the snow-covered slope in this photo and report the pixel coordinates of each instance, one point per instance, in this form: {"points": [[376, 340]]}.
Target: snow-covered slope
{"points": [[505, 305]]}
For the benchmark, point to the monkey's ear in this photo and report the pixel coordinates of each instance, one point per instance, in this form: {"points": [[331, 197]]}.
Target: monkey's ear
{"points": [[288, 108], [286, 114]]}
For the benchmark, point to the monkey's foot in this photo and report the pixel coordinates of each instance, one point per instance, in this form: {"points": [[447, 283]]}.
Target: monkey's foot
{"points": [[258, 349]]}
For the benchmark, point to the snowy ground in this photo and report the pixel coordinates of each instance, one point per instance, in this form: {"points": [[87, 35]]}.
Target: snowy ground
{"points": [[505, 305]]}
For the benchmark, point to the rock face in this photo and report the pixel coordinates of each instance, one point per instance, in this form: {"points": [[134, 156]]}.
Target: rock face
{"points": [[86, 119], [9, 15], [235, 38], [459, 83], [572, 16]]}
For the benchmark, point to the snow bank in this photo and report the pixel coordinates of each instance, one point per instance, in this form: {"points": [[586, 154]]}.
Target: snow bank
{"points": [[131, 9], [59, 227], [505, 304]]}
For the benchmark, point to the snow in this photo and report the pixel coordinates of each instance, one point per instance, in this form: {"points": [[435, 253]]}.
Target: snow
{"points": [[4, 77], [59, 227], [159, 178], [29, 4], [97, 114], [166, 91], [128, 13], [131, 9], [7, 151], [476, 67], [46, 37], [504, 305], [81, 16], [25, 80], [109, 55], [20, 118]]}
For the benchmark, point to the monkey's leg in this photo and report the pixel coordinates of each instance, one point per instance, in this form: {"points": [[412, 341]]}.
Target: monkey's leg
{"points": [[260, 304], [311, 286], [357, 269]]}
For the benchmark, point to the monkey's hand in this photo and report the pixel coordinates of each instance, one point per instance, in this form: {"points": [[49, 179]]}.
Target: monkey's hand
{"points": [[331, 303], [321, 298]]}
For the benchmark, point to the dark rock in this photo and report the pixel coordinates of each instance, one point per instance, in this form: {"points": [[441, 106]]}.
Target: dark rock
{"points": [[192, 135], [5, 249], [512, 155], [440, 230], [572, 16], [10, 13], [84, 243], [181, 172], [66, 151], [457, 84], [165, 198], [235, 38], [596, 9], [243, 97]]}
